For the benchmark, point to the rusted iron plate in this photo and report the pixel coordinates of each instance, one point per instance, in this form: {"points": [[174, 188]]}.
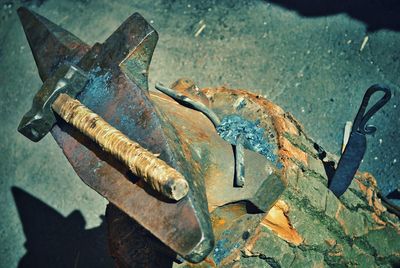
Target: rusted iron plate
{"points": [[215, 161], [184, 226]]}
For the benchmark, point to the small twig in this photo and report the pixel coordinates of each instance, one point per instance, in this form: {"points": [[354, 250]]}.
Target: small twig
{"points": [[364, 43], [202, 27]]}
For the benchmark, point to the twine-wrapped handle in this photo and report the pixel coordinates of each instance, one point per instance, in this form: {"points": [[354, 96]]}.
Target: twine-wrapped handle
{"points": [[158, 174]]}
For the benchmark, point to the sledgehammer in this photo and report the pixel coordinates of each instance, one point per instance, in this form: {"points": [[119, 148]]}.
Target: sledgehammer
{"points": [[58, 95]]}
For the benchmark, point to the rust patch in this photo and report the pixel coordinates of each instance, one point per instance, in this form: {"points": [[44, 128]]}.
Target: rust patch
{"points": [[248, 250], [340, 220], [337, 250], [231, 212], [188, 88], [330, 242], [286, 126], [368, 186], [182, 84], [280, 121], [277, 221], [378, 221], [291, 151]]}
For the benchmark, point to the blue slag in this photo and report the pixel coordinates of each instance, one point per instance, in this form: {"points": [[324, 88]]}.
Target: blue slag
{"points": [[96, 90], [234, 125], [222, 250]]}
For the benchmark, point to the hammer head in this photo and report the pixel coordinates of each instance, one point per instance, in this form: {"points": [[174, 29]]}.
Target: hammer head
{"points": [[39, 120]]}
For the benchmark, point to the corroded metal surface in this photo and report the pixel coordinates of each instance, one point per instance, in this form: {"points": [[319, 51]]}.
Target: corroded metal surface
{"points": [[184, 226], [215, 160], [184, 138]]}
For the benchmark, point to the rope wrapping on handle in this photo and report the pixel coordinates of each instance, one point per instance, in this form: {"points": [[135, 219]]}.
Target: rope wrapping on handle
{"points": [[144, 164]]}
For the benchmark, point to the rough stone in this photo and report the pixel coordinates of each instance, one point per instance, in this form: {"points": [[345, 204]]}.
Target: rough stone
{"points": [[273, 247], [332, 205], [316, 165], [308, 259], [309, 227], [353, 201], [386, 242], [352, 222], [313, 190]]}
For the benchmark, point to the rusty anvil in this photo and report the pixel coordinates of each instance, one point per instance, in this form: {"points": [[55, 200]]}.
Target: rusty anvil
{"points": [[185, 139]]}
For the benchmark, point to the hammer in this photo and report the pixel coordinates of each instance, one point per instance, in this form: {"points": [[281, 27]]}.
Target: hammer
{"points": [[58, 94]]}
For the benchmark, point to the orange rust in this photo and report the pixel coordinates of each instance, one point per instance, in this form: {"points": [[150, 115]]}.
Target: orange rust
{"points": [[194, 121], [284, 125], [370, 192], [252, 241], [210, 261], [337, 250], [228, 213], [378, 220], [378, 207], [277, 221], [330, 242], [291, 151], [371, 179], [340, 220], [182, 84], [221, 222], [336, 253], [281, 122]]}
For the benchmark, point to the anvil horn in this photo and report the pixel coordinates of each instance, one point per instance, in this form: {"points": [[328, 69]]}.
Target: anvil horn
{"points": [[50, 44]]}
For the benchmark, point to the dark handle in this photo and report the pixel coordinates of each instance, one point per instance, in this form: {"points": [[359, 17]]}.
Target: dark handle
{"points": [[360, 122]]}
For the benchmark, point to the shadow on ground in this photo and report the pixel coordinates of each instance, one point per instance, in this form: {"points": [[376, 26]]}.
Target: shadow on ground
{"points": [[53, 240], [376, 14]]}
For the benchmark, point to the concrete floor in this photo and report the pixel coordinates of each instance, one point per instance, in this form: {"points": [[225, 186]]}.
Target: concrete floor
{"points": [[305, 57]]}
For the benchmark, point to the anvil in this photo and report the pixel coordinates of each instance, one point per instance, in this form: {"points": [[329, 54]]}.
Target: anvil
{"points": [[183, 138]]}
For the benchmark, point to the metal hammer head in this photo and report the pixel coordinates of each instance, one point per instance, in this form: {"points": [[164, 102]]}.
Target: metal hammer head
{"points": [[40, 119]]}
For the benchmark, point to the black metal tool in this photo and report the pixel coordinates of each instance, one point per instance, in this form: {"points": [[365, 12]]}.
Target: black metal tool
{"points": [[357, 144]]}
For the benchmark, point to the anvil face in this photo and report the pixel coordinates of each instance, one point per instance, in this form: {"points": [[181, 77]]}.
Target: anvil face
{"points": [[117, 91], [185, 139]]}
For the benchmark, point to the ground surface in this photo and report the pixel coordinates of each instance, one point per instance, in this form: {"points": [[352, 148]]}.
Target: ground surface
{"points": [[305, 57]]}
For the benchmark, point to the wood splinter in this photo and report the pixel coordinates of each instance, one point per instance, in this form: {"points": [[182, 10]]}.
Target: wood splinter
{"points": [[144, 164]]}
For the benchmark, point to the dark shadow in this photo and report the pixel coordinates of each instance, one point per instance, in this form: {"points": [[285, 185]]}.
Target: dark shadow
{"points": [[329, 166], [134, 246], [395, 194], [376, 14], [53, 240]]}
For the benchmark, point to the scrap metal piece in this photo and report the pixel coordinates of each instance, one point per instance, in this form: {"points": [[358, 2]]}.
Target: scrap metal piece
{"points": [[239, 162], [184, 226], [357, 144]]}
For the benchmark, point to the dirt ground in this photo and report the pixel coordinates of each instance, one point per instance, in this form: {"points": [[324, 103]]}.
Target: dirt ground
{"points": [[315, 61]]}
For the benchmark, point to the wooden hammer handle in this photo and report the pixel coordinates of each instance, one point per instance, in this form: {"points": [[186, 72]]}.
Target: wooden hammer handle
{"points": [[158, 174]]}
